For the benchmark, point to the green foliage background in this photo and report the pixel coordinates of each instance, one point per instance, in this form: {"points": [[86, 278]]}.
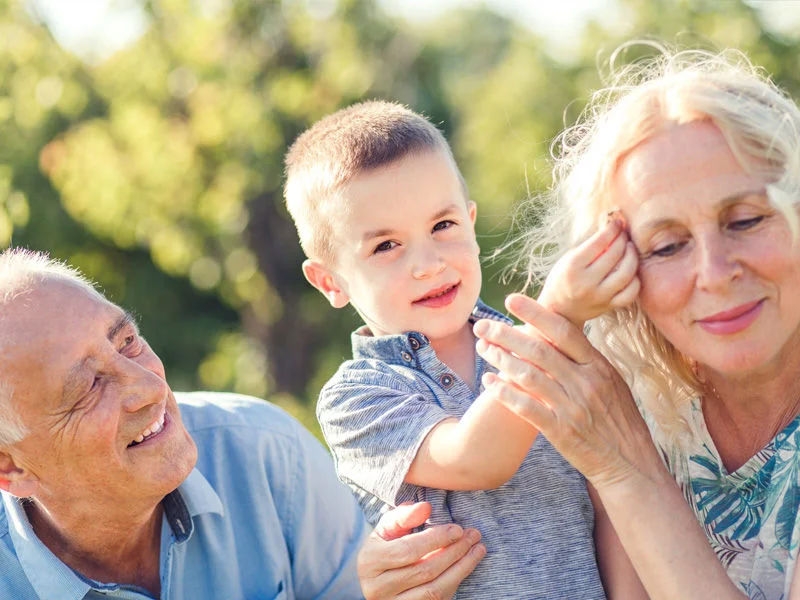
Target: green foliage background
{"points": [[158, 171]]}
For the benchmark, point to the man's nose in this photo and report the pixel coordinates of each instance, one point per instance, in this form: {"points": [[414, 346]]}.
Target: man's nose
{"points": [[142, 381]]}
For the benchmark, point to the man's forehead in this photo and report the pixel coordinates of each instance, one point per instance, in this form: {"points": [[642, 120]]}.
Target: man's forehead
{"points": [[54, 312], [47, 331]]}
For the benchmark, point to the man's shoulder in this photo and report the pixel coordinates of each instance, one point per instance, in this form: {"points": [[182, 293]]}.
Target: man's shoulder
{"points": [[223, 411], [3, 519]]}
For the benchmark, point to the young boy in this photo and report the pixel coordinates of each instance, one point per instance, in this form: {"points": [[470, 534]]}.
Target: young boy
{"points": [[385, 220]]}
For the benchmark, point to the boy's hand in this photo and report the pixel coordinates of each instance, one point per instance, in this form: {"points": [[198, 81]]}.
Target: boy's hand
{"points": [[594, 277]]}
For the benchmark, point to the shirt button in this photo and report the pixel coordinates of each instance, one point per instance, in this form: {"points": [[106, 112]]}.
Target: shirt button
{"points": [[414, 343], [446, 380], [406, 356]]}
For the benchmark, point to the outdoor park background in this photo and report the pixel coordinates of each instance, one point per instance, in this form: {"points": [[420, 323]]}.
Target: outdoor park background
{"points": [[157, 168]]}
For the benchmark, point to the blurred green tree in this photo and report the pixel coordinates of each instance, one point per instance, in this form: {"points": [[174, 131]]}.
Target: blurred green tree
{"points": [[159, 170]]}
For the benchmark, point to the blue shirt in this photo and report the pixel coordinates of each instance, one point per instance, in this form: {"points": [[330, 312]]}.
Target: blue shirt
{"points": [[261, 517], [538, 527]]}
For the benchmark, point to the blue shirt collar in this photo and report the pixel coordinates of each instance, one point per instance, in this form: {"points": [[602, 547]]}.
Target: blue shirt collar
{"points": [[396, 347], [51, 578]]}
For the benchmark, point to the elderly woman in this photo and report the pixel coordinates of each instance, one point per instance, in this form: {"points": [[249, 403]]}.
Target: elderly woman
{"points": [[701, 155]]}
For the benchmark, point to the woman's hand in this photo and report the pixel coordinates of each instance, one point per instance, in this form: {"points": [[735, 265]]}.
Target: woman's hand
{"points": [[552, 376], [430, 564]]}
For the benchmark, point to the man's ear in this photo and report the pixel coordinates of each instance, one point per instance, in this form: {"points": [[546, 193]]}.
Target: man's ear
{"points": [[15, 480], [326, 282], [472, 208]]}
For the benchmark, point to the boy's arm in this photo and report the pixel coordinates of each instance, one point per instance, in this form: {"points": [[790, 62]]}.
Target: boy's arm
{"points": [[482, 450], [619, 578]]}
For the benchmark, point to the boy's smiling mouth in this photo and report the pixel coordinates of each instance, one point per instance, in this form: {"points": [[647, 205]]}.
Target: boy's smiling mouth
{"points": [[441, 296]]}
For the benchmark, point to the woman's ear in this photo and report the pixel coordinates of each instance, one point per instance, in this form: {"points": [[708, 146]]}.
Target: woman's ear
{"points": [[15, 480], [326, 281]]}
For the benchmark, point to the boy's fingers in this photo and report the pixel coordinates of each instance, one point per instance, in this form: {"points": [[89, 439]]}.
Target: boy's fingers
{"points": [[621, 275], [587, 252], [627, 296], [610, 255]]}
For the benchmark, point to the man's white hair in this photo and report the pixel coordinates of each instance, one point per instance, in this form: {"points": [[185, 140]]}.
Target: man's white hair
{"points": [[20, 271]]}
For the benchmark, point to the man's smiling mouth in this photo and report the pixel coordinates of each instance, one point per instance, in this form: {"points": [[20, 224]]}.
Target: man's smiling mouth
{"points": [[154, 428]]}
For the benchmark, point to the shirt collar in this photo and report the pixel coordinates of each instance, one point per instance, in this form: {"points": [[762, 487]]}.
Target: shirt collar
{"points": [[401, 347], [51, 578]]}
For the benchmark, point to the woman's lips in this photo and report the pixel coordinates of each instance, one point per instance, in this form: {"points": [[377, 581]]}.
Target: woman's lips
{"points": [[733, 320]]}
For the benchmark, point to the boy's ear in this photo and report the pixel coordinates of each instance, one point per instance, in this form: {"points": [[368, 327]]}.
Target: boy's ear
{"points": [[326, 282], [473, 211], [15, 480]]}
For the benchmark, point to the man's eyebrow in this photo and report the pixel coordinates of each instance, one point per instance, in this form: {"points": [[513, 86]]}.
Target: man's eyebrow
{"points": [[121, 323]]}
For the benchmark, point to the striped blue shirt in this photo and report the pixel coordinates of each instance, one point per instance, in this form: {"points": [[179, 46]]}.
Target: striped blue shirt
{"points": [[537, 527]]}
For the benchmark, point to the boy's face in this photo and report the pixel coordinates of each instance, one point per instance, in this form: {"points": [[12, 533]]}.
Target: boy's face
{"points": [[405, 248]]}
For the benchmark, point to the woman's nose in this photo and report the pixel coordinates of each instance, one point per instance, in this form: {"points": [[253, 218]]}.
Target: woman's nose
{"points": [[716, 263]]}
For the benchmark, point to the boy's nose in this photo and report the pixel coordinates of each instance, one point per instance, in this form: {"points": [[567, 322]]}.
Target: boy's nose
{"points": [[427, 264]]}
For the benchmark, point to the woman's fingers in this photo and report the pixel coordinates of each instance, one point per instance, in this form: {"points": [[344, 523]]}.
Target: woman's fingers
{"points": [[563, 335]]}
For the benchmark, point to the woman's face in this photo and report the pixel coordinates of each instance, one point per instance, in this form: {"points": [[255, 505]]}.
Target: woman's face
{"points": [[719, 272]]}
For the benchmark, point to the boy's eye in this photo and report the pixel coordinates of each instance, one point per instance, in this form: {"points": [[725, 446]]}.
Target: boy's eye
{"points": [[384, 246], [443, 225]]}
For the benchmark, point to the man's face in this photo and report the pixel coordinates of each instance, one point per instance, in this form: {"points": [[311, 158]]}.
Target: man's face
{"points": [[103, 425]]}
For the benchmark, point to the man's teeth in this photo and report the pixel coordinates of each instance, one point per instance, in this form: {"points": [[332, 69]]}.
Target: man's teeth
{"points": [[151, 429]]}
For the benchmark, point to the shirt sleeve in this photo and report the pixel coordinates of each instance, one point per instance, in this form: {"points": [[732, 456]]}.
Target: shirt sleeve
{"points": [[325, 528], [374, 418]]}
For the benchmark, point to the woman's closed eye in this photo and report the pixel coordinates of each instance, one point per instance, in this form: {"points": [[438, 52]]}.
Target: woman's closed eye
{"points": [[745, 224], [664, 250]]}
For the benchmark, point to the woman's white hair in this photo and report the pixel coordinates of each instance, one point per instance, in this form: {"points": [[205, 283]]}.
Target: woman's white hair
{"points": [[20, 271], [762, 127]]}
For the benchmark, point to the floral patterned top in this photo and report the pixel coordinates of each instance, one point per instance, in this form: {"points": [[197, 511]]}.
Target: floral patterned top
{"points": [[750, 516]]}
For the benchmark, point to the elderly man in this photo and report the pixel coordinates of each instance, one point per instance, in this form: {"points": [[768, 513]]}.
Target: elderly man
{"points": [[109, 490]]}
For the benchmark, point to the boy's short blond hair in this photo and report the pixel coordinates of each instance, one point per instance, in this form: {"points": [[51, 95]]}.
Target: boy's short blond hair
{"points": [[341, 146]]}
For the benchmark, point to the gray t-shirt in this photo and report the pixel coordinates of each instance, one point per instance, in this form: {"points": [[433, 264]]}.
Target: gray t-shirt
{"points": [[376, 411]]}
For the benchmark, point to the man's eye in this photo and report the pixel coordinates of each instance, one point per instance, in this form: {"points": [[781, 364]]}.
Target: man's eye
{"points": [[443, 225], [131, 345], [384, 247]]}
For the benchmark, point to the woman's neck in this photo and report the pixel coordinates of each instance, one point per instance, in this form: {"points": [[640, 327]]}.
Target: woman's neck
{"points": [[743, 414]]}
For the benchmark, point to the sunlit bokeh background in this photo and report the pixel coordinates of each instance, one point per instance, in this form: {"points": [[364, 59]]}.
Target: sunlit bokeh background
{"points": [[142, 141]]}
